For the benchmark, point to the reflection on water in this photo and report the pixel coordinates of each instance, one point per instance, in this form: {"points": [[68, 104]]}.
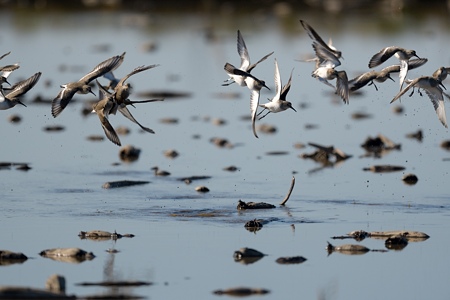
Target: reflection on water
{"points": [[183, 237]]}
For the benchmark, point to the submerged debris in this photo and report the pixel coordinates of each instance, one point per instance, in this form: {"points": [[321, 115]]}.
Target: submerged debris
{"points": [[231, 169], [359, 235], [8, 258], [54, 128], [115, 283], [102, 235], [410, 179], [291, 260], [289, 192], [253, 205], [396, 242], [418, 135], [350, 249], [71, 255], [122, 183], [55, 288], [379, 145], [247, 256], [171, 153], [254, 225], [326, 155], [446, 145], [241, 291], [129, 153], [384, 168], [202, 189]]}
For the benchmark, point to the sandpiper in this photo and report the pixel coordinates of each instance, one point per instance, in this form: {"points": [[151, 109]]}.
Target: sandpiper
{"points": [[433, 89], [255, 85], [12, 97], [278, 102], [381, 76], [402, 54], [323, 74], [82, 86], [245, 62], [6, 71], [122, 107], [103, 108]]}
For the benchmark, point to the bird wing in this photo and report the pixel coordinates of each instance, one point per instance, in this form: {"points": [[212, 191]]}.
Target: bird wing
{"points": [[436, 97], [250, 68], [286, 88], [6, 54], [403, 72], [23, 86], [380, 57], [410, 85], [316, 37], [135, 71], [362, 80], [104, 67], [127, 114], [7, 70], [342, 85], [326, 57], [277, 79], [243, 52], [254, 101]]}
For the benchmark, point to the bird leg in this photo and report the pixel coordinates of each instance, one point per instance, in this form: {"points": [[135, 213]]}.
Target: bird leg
{"points": [[373, 83], [264, 115]]}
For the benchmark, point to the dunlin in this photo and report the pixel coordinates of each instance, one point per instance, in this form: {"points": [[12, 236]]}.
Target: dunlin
{"points": [[245, 62], [6, 71], [82, 86], [12, 97], [278, 102], [323, 74], [402, 54], [122, 107], [368, 78], [103, 108], [254, 84], [433, 89]]}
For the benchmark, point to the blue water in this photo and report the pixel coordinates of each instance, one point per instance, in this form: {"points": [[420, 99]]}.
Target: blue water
{"points": [[184, 240]]}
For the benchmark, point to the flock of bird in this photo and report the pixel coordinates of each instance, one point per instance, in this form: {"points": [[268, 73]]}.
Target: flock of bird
{"points": [[326, 59], [114, 97], [109, 101]]}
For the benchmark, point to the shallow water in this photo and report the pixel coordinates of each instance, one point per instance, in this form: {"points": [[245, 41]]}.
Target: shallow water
{"points": [[185, 240]]}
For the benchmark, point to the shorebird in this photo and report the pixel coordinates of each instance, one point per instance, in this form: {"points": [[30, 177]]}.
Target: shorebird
{"points": [[254, 85], [433, 89], [368, 78], [402, 54], [12, 97], [103, 109], [245, 62], [122, 107], [6, 71], [323, 74], [326, 54], [278, 102], [82, 86]]}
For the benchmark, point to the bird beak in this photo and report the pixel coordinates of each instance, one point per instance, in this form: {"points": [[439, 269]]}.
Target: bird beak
{"points": [[264, 85], [93, 93], [441, 84], [293, 108], [389, 76], [21, 103], [417, 56], [6, 80]]}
